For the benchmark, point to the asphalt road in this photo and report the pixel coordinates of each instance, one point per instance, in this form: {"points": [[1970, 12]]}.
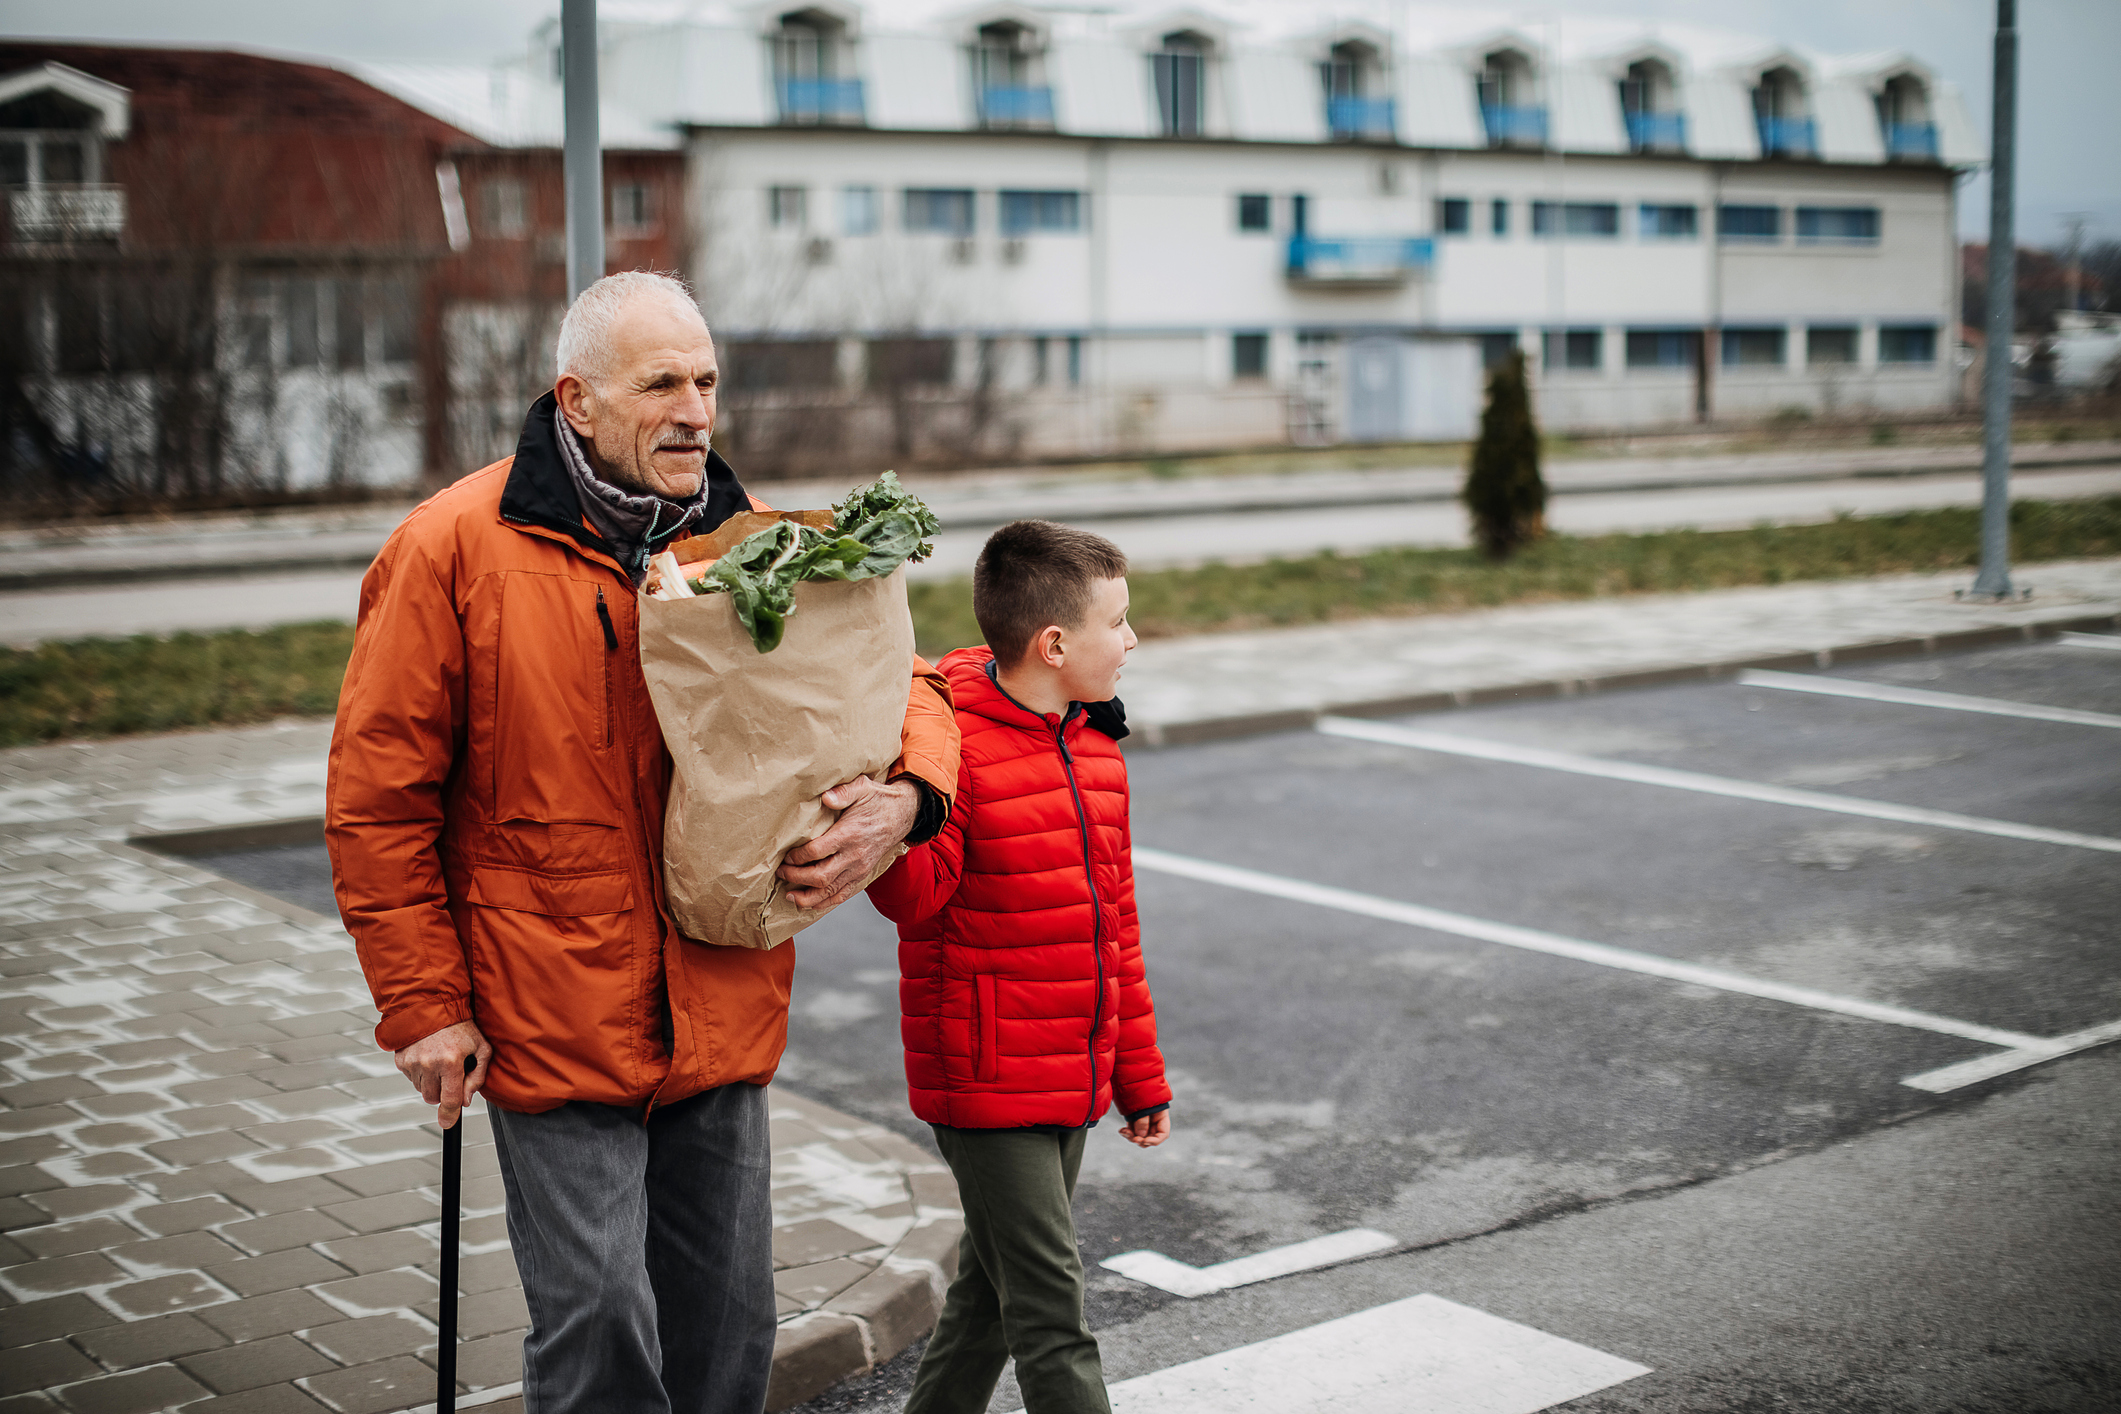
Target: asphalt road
{"points": [[1152, 541], [1740, 1193]]}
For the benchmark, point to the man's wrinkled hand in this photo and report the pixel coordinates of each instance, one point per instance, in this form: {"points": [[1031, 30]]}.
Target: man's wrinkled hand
{"points": [[873, 819], [435, 1066]]}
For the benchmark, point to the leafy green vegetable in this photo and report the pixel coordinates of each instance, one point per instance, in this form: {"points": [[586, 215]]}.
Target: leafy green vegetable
{"points": [[875, 530]]}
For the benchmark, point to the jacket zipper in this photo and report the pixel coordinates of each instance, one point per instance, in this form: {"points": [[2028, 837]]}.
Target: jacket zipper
{"points": [[1097, 911], [611, 645]]}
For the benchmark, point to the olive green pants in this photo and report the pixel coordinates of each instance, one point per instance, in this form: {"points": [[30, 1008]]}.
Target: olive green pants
{"points": [[1019, 1286]]}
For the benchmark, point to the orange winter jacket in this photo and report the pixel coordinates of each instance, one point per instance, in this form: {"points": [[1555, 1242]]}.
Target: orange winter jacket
{"points": [[495, 805]]}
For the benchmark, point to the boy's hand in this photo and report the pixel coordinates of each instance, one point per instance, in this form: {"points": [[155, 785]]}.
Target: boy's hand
{"points": [[1148, 1131]]}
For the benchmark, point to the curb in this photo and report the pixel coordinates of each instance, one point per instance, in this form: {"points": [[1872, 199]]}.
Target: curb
{"points": [[894, 1303], [1161, 734]]}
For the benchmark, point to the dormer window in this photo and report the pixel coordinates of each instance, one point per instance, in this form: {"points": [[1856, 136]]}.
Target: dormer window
{"points": [[1180, 69], [1782, 114], [1357, 106], [1510, 106], [1905, 121], [811, 54], [1649, 101], [1009, 77], [53, 125]]}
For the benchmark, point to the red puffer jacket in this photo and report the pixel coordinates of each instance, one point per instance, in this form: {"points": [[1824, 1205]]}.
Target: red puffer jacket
{"points": [[1022, 990]]}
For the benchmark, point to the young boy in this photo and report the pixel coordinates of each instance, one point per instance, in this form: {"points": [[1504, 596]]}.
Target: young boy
{"points": [[1026, 1010]]}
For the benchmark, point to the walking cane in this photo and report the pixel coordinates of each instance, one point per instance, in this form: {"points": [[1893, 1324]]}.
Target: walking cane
{"points": [[452, 1206]]}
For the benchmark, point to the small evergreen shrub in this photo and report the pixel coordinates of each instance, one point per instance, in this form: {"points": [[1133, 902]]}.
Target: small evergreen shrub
{"points": [[1504, 491]]}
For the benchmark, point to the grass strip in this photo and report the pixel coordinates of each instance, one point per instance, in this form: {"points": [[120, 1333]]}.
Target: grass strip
{"points": [[108, 687], [1326, 587]]}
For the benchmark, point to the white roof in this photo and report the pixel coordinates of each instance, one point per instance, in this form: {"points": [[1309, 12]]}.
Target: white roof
{"points": [[667, 64]]}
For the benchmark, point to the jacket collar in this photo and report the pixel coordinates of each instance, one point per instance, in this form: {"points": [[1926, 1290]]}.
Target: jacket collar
{"points": [[976, 688], [540, 490]]}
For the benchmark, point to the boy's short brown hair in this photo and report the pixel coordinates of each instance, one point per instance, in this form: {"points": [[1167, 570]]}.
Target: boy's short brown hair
{"points": [[1032, 573]]}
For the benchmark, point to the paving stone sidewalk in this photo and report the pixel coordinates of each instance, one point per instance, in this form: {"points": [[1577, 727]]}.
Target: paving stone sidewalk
{"points": [[217, 1195]]}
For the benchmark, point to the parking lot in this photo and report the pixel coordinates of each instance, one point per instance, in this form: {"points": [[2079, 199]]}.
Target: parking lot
{"points": [[1445, 977], [1369, 950]]}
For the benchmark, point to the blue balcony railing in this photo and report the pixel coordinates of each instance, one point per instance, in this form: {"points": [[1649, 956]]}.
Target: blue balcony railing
{"points": [[821, 100], [1361, 117], [1514, 126], [1657, 132], [1918, 140], [1786, 137], [1016, 105], [1360, 259]]}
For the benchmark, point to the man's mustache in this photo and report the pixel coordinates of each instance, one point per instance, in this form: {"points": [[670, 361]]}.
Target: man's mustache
{"points": [[683, 441]]}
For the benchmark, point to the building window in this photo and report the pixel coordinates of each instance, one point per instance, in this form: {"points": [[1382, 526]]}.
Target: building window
{"points": [[1352, 74], [940, 212], [1499, 217], [1075, 360], [1180, 70], [1648, 105], [808, 56], [912, 363], [298, 301], [1028, 212], [1255, 212], [632, 208], [1008, 77], [787, 208], [1749, 223], [1575, 218], [1837, 225], [1754, 348], [1663, 348], [1495, 349], [1454, 216], [762, 365], [1248, 355], [1670, 222], [1781, 115], [349, 329], [858, 215], [504, 209], [1829, 345], [1907, 343], [1573, 348]]}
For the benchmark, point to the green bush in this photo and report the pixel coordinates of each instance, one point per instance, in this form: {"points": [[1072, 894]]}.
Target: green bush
{"points": [[1504, 490]]}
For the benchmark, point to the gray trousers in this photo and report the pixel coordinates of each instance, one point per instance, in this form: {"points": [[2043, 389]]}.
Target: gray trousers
{"points": [[646, 1254]]}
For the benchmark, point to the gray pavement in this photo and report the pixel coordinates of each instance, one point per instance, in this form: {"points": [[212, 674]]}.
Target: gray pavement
{"points": [[347, 537], [217, 1195], [1154, 529]]}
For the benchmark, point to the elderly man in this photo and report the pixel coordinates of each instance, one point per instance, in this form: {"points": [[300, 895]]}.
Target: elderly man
{"points": [[495, 820]]}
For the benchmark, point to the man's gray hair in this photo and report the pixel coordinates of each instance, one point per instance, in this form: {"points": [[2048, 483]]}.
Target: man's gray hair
{"points": [[585, 334]]}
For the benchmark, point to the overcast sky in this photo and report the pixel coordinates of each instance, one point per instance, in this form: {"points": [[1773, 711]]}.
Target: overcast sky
{"points": [[2069, 116]]}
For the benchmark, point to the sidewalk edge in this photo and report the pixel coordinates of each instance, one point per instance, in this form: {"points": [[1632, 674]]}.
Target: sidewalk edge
{"points": [[1193, 731]]}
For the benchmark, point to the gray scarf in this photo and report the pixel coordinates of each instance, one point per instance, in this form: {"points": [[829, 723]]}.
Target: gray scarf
{"points": [[635, 527]]}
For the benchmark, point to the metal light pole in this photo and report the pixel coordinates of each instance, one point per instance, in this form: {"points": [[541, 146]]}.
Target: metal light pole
{"points": [[585, 164], [1994, 581]]}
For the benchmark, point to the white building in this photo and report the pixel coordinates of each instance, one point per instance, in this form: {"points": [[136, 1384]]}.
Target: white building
{"points": [[1064, 232]]}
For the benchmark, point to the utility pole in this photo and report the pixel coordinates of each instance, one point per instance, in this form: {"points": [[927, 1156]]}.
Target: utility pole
{"points": [[2074, 222], [584, 145], [1994, 581]]}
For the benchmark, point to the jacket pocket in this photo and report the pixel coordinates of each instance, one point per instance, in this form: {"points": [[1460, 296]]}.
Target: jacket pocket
{"points": [[554, 895], [986, 1063]]}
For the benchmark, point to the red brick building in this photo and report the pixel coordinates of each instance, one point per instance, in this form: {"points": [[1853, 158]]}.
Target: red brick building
{"points": [[227, 276]]}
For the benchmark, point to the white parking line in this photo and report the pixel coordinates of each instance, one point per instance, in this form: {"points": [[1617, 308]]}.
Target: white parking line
{"points": [[1169, 1274], [1707, 785], [2109, 641], [1423, 1353], [1969, 1072], [1921, 697], [2020, 1050]]}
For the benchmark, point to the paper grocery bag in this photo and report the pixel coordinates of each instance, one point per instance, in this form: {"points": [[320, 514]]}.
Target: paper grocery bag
{"points": [[758, 737]]}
